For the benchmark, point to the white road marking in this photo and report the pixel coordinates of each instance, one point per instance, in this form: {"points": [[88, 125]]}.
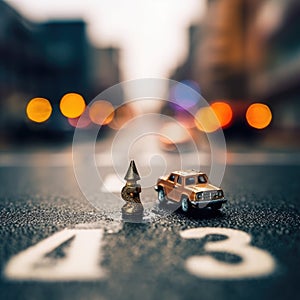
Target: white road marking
{"points": [[255, 262], [106, 159], [108, 226], [81, 260], [112, 184], [83, 256]]}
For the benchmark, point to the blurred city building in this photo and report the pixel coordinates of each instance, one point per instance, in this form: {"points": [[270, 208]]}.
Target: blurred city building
{"points": [[48, 60], [109, 72], [186, 69], [246, 51], [274, 60]]}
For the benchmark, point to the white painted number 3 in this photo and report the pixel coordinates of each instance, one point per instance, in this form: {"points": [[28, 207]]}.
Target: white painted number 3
{"points": [[255, 262]]}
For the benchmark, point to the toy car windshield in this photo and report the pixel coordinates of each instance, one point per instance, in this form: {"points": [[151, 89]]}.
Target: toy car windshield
{"points": [[202, 179]]}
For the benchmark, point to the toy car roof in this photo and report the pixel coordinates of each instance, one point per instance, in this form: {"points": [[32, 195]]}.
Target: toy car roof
{"points": [[188, 172]]}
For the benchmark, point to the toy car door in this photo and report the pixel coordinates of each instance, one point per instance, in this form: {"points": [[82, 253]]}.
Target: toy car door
{"points": [[178, 188], [170, 186]]}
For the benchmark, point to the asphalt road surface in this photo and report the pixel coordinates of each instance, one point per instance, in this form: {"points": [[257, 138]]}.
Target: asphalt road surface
{"points": [[55, 245]]}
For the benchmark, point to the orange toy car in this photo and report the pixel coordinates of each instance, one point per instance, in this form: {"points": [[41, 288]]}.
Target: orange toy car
{"points": [[189, 188]]}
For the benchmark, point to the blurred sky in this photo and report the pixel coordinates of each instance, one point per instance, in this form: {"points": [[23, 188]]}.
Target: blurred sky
{"points": [[151, 33]]}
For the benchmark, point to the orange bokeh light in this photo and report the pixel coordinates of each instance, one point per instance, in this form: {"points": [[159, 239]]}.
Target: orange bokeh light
{"points": [[38, 110], [122, 115], [258, 115], [101, 112], [81, 122], [206, 120], [72, 105], [223, 112]]}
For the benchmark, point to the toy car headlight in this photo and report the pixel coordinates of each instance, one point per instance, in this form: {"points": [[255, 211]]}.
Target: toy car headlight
{"points": [[199, 195]]}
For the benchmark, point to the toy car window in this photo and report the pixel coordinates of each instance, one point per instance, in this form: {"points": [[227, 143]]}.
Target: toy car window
{"points": [[179, 180], [202, 179], [172, 177], [190, 180]]}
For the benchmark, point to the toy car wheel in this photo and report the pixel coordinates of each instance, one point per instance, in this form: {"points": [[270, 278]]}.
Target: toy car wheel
{"points": [[161, 196], [216, 206], [185, 204]]}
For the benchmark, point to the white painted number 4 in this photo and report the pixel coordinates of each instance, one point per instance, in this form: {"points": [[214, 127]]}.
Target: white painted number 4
{"points": [[254, 261], [81, 260]]}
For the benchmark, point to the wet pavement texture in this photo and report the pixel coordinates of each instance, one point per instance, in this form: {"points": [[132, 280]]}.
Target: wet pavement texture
{"points": [[147, 261]]}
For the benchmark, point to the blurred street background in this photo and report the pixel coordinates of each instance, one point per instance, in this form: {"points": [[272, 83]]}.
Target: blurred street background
{"points": [[241, 55]]}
